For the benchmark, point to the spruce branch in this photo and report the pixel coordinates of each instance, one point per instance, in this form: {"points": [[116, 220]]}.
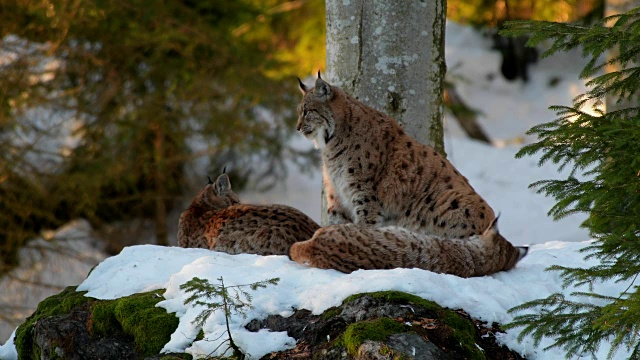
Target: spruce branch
{"points": [[603, 146], [230, 299]]}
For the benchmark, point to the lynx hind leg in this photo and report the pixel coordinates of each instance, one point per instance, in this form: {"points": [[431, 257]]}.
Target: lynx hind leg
{"points": [[325, 250], [311, 252], [300, 252]]}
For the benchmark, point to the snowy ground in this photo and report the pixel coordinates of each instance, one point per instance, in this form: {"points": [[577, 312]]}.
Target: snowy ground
{"points": [[509, 109]]}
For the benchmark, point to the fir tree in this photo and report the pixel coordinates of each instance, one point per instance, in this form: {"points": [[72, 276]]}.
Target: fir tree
{"points": [[229, 299], [606, 148]]}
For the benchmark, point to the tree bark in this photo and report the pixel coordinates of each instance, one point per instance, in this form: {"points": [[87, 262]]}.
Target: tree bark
{"points": [[389, 54]]}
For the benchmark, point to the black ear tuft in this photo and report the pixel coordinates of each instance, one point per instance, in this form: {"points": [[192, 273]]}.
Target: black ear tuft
{"points": [[319, 77], [492, 229], [323, 89], [210, 181], [303, 87], [522, 251], [494, 223], [224, 170]]}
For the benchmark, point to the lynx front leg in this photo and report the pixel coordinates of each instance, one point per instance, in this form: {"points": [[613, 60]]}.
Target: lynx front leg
{"points": [[367, 208], [336, 213]]}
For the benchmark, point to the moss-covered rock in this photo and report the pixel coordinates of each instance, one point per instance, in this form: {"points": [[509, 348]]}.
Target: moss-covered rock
{"points": [[454, 331], [59, 304], [71, 323], [374, 330], [386, 325], [137, 317], [379, 325]]}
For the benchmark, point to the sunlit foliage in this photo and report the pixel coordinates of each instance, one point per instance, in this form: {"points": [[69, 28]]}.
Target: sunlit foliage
{"points": [[494, 12]]}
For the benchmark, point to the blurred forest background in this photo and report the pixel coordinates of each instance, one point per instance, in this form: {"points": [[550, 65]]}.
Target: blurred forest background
{"points": [[108, 108]]}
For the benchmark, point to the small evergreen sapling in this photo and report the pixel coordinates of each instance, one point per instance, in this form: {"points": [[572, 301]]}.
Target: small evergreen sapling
{"points": [[606, 147], [229, 299]]}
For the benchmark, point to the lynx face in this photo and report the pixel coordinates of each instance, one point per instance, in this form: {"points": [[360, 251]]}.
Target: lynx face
{"points": [[315, 121]]}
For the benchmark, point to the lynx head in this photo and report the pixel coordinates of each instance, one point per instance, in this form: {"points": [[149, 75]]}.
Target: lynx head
{"points": [[217, 195], [315, 119], [492, 231], [493, 235]]}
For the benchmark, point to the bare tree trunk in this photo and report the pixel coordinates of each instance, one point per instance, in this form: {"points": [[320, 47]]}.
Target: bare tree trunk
{"points": [[389, 54]]}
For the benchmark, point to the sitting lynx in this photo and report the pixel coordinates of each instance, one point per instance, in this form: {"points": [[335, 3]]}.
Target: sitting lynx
{"points": [[375, 174], [349, 247], [216, 220]]}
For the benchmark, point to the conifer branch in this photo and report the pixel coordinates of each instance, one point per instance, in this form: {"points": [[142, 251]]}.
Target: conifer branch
{"points": [[232, 299], [601, 148]]}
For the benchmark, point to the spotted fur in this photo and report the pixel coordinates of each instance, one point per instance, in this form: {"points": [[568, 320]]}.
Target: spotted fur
{"points": [[349, 247], [376, 174], [217, 220]]}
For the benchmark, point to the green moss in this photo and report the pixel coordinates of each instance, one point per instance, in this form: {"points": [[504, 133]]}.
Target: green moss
{"points": [[388, 352], [384, 350], [200, 335], [134, 316], [330, 313], [375, 330], [462, 335], [59, 304], [138, 317], [103, 319]]}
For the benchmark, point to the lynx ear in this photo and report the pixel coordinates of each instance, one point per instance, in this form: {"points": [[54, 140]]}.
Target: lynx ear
{"points": [[493, 228], [222, 184], [210, 181], [522, 251], [323, 89], [303, 87]]}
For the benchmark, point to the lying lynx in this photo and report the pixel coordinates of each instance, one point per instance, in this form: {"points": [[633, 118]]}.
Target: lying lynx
{"points": [[349, 247], [376, 174], [216, 220]]}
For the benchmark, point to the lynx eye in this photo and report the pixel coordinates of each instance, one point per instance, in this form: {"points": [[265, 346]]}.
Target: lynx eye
{"points": [[304, 111]]}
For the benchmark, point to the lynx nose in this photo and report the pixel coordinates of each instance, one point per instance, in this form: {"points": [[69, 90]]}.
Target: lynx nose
{"points": [[298, 125]]}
